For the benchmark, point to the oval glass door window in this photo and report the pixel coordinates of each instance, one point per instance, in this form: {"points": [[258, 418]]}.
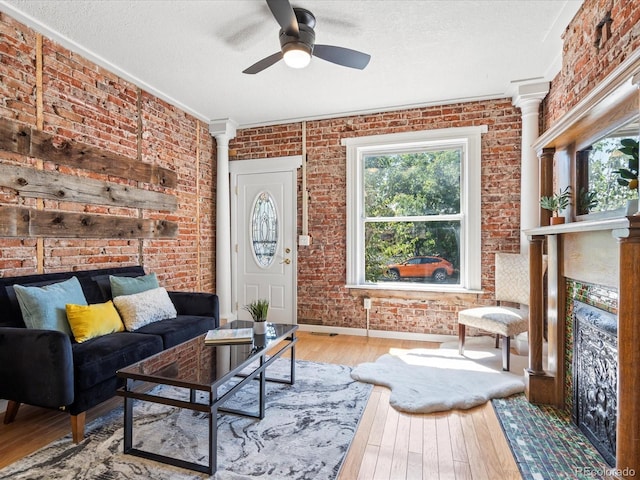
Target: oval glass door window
{"points": [[264, 229]]}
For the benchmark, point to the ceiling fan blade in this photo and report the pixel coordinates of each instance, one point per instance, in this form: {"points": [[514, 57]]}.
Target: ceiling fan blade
{"points": [[342, 56], [264, 63], [285, 16]]}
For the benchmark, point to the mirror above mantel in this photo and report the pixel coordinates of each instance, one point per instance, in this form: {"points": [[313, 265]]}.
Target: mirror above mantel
{"points": [[606, 175], [582, 150]]}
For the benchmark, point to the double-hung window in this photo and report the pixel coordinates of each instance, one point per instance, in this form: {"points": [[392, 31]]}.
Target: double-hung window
{"points": [[413, 210]]}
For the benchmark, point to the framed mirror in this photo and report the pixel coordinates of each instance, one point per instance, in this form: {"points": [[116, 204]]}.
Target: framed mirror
{"points": [[606, 174]]}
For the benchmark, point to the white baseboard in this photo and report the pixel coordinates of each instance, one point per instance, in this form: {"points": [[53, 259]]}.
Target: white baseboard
{"points": [[362, 332]]}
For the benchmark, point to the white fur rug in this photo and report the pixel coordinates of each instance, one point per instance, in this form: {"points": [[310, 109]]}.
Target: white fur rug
{"points": [[433, 380]]}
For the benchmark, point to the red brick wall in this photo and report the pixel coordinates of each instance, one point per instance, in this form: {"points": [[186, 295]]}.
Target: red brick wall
{"points": [[86, 103], [322, 296], [583, 64]]}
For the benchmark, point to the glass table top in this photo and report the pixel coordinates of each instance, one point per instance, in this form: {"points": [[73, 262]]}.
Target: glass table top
{"points": [[195, 365]]}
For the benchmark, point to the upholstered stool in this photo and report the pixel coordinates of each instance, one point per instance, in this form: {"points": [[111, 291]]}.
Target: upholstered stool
{"points": [[511, 285], [504, 322]]}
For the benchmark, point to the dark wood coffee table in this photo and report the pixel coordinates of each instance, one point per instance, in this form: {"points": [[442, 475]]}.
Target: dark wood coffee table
{"points": [[199, 367]]}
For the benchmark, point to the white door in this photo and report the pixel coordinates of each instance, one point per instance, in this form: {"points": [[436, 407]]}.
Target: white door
{"points": [[264, 219]]}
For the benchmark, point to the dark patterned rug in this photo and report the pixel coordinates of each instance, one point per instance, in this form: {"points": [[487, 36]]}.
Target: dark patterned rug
{"points": [[545, 444], [305, 434]]}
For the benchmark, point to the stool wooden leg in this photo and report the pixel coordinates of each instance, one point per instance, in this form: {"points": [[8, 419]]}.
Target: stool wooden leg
{"points": [[506, 353], [497, 340], [461, 337]]}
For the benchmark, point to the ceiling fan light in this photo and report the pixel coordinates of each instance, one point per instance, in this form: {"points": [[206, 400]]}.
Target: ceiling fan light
{"points": [[297, 56]]}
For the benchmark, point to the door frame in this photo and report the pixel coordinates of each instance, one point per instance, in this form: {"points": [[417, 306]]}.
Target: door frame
{"points": [[258, 166]]}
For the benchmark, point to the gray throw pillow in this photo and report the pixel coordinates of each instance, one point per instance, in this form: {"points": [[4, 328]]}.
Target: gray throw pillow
{"points": [[45, 307], [130, 285]]}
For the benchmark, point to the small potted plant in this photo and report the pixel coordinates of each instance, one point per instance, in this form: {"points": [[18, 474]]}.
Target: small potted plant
{"points": [[258, 310], [556, 202]]}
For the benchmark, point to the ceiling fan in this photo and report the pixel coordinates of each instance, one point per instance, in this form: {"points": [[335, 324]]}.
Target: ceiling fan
{"points": [[297, 42]]}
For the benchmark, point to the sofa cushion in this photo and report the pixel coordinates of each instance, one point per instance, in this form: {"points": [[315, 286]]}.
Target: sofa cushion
{"points": [[89, 321], [44, 307], [177, 330], [130, 285], [99, 358], [142, 308]]}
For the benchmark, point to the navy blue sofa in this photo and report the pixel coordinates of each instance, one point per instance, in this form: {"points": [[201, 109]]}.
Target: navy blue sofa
{"points": [[49, 369]]}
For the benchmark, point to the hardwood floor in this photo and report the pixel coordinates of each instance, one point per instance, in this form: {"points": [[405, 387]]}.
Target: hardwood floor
{"points": [[389, 445]]}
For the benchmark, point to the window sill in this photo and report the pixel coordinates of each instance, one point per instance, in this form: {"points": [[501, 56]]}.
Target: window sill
{"points": [[411, 292]]}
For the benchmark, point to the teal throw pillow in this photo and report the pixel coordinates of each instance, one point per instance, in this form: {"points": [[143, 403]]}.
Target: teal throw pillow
{"points": [[131, 285], [45, 307]]}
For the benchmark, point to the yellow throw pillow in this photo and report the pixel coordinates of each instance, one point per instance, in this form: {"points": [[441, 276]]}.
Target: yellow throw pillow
{"points": [[89, 321]]}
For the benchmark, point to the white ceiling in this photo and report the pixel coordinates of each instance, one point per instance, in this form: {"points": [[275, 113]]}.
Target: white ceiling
{"points": [[424, 52]]}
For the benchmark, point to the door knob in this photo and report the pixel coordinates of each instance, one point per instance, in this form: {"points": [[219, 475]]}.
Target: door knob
{"points": [[286, 261]]}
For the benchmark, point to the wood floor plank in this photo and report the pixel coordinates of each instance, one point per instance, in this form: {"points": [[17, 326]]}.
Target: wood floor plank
{"points": [[369, 463], [503, 451], [415, 433], [458, 448], [353, 460], [475, 449], [414, 466], [430, 468], [445, 453], [491, 462], [463, 472], [401, 447], [377, 429], [387, 445]]}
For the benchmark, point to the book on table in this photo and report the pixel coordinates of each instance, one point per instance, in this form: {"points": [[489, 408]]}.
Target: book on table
{"points": [[229, 336]]}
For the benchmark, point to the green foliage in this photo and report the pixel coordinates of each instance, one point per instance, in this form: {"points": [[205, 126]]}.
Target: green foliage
{"points": [[401, 192], [557, 201], [606, 158], [587, 201], [629, 176], [258, 310]]}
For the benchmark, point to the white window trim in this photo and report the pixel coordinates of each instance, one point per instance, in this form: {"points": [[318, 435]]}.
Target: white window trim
{"points": [[470, 226]]}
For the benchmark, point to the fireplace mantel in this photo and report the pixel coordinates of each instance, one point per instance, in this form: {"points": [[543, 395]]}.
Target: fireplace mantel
{"points": [[619, 226], [593, 250], [603, 252]]}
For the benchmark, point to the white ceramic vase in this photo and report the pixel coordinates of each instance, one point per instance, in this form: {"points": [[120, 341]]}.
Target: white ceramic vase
{"points": [[259, 328]]}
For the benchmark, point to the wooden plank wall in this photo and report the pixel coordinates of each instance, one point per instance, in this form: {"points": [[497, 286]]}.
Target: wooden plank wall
{"points": [[40, 184]]}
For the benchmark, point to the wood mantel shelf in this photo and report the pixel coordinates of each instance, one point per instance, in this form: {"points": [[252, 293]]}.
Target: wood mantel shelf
{"points": [[619, 225]]}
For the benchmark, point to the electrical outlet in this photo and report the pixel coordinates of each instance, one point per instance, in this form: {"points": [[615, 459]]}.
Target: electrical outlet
{"points": [[366, 303], [304, 240]]}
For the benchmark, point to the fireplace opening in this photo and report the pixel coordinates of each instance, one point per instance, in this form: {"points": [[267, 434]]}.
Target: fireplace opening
{"points": [[595, 377]]}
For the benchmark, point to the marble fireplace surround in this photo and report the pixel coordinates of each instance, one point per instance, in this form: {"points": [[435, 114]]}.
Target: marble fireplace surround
{"points": [[602, 251]]}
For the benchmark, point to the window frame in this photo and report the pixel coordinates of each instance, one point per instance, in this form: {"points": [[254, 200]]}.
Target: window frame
{"points": [[470, 198]]}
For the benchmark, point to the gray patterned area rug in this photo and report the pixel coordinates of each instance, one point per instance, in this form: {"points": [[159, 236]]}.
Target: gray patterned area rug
{"points": [[305, 434]]}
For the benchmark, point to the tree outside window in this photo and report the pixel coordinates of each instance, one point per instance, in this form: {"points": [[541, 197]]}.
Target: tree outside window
{"points": [[412, 209]]}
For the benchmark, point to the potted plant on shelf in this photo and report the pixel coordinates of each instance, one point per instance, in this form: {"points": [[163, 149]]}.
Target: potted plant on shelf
{"points": [[258, 310], [556, 202]]}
